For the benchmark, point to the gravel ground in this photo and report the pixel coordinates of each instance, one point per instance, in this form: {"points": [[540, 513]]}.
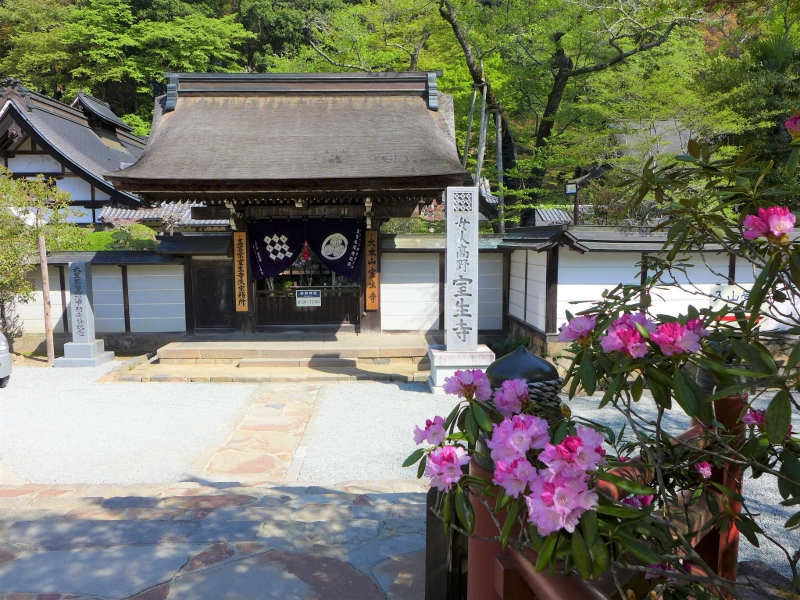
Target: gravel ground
{"points": [[59, 426]]}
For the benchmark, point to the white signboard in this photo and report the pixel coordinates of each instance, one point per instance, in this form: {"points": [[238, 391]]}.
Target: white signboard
{"points": [[304, 298], [461, 288]]}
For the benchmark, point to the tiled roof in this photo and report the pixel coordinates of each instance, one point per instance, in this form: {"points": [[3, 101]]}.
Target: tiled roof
{"points": [[99, 109], [65, 131], [278, 133], [178, 213]]}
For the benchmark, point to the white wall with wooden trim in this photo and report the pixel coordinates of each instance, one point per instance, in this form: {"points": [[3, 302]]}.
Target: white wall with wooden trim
{"points": [[31, 164], [490, 291], [582, 278], [155, 295], [107, 300], [527, 285], [692, 287], [31, 313], [410, 291], [156, 298]]}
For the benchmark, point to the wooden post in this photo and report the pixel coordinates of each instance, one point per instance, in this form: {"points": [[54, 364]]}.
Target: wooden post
{"points": [[48, 321]]}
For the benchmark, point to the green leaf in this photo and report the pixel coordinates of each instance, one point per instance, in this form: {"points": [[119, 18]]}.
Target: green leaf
{"points": [[758, 358], [413, 457], [645, 554], [789, 481], [778, 417], [580, 555], [589, 527], [421, 467], [472, 426], [546, 553], [637, 387], [481, 418], [794, 357], [620, 512], [447, 511], [633, 487], [588, 375], [793, 521], [748, 529], [600, 554], [466, 515], [511, 518]]}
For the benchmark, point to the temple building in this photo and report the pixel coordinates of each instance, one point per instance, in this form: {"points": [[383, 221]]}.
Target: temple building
{"points": [[305, 168]]}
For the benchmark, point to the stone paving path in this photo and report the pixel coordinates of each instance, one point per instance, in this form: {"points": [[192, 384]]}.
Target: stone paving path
{"points": [[239, 527]]}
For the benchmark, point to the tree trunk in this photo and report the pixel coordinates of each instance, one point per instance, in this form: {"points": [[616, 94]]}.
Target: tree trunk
{"points": [[48, 324], [563, 71]]}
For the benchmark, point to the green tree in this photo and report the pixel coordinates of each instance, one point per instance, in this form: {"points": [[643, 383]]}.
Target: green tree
{"points": [[32, 212]]}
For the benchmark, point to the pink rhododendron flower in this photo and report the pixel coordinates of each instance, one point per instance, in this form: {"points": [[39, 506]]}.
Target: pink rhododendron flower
{"points": [[576, 454], [514, 476], [512, 438], [754, 417], [792, 125], [469, 384], [623, 336], [511, 396], [577, 329], [444, 466], [557, 502], [433, 433], [774, 223], [704, 469], [673, 338], [637, 501]]}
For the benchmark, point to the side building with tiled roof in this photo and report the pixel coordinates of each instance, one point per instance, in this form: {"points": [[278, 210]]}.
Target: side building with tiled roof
{"points": [[76, 145]]}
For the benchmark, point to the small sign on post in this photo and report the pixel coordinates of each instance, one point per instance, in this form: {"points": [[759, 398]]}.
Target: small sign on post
{"points": [[373, 294], [306, 298], [241, 271]]}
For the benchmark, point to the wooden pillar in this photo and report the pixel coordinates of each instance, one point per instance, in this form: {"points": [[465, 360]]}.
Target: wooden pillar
{"points": [[371, 283]]}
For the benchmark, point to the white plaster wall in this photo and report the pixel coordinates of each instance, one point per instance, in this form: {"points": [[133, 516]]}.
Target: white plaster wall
{"points": [[409, 291], [80, 215], [582, 278], [694, 287], [32, 313], [490, 290], [33, 163], [532, 309], [536, 307], [107, 301], [156, 298], [80, 190], [516, 285]]}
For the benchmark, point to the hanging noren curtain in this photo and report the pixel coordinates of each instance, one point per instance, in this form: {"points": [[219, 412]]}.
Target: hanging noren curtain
{"points": [[275, 244]]}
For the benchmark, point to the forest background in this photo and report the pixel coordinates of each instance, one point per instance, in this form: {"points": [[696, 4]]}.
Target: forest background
{"points": [[582, 87]]}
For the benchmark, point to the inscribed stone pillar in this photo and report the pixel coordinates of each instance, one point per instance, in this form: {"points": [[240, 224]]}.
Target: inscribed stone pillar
{"points": [[461, 349], [84, 350]]}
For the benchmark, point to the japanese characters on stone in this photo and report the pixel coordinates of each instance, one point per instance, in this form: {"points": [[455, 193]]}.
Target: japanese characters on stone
{"points": [[461, 301]]}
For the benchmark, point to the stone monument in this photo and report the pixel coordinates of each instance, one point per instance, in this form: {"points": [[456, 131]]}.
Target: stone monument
{"points": [[461, 349], [84, 350]]}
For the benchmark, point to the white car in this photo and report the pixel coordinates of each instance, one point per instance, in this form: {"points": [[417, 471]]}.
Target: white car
{"points": [[5, 362]]}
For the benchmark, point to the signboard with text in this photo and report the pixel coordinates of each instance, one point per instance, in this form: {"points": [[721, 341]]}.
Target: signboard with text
{"points": [[240, 271], [305, 298], [461, 273], [373, 292]]}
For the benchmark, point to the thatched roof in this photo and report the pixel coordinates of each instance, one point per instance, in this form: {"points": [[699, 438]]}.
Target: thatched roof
{"points": [[218, 136]]}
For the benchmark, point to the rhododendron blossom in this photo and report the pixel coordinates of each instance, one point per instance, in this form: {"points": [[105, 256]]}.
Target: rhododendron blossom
{"points": [[773, 223], [623, 336], [469, 384], [673, 338], [557, 502], [444, 466], [511, 396], [577, 329], [792, 125], [704, 469], [433, 433], [513, 476], [576, 454], [512, 438], [754, 417]]}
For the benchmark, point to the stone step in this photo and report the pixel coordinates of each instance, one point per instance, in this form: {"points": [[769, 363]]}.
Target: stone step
{"points": [[401, 362]]}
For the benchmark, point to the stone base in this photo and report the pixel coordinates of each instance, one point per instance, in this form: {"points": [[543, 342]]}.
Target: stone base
{"points": [[445, 363], [84, 354]]}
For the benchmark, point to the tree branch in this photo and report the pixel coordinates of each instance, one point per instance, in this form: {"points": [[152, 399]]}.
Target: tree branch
{"points": [[622, 55], [335, 63]]}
